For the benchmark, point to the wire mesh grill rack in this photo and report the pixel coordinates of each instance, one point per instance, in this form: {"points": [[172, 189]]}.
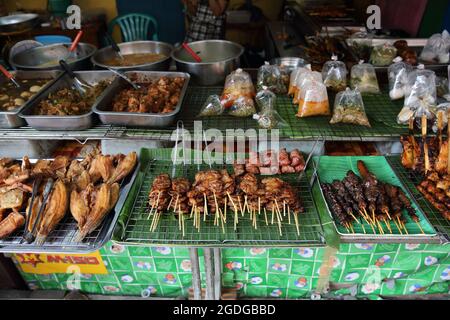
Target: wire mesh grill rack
{"points": [[137, 228], [410, 179], [61, 239]]}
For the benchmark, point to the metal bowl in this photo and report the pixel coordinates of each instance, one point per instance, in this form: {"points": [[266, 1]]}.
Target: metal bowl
{"points": [[18, 22], [47, 57], [103, 54], [290, 63], [219, 58]]}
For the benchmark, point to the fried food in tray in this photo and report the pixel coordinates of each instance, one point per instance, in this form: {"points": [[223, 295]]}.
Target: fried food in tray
{"points": [[69, 102], [357, 199], [12, 97], [89, 188], [159, 96]]}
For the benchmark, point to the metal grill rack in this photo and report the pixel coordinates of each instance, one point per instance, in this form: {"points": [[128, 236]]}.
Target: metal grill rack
{"points": [[61, 238], [410, 179], [136, 230]]}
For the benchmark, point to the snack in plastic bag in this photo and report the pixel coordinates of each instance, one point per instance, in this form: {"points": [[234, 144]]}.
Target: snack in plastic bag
{"points": [[349, 108], [437, 48], [271, 77], [364, 78], [212, 107], [293, 80], [441, 113], [361, 44], [268, 118], [238, 93], [334, 74], [398, 78], [442, 87], [420, 92], [383, 55], [421, 112], [313, 100], [302, 80]]}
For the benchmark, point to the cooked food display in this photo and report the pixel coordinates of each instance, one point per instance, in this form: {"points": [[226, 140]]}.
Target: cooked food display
{"points": [[69, 102], [134, 59], [367, 199], [213, 192], [12, 97], [158, 96], [39, 194]]}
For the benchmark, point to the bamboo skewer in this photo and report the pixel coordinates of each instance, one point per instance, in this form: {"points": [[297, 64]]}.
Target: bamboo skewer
{"points": [[205, 213], [265, 217], [425, 144], [448, 141], [420, 227]]}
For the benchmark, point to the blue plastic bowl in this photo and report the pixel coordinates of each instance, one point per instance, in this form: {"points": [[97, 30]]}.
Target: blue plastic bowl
{"points": [[51, 39]]}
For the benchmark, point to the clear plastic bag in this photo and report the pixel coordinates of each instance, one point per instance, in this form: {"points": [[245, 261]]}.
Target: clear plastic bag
{"points": [[334, 74], [361, 44], [349, 108], [293, 80], [442, 87], [302, 80], [398, 78], [212, 107], [238, 93], [383, 55], [268, 118], [313, 100], [420, 94], [441, 114], [423, 111], [437, 48], [271, 77], [364, 78]]}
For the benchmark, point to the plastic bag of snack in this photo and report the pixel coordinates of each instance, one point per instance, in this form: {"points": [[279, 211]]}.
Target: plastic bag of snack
{"points": [[212, 107], [364, 78], [424, 111], [268, 118], [334, 74], [238, 93], [349, 108], [441, 115], [383, 55], [313, 100], [293, 80], [361, 44], [437, 48], [270, 76], [398, 78], [302, 80]]}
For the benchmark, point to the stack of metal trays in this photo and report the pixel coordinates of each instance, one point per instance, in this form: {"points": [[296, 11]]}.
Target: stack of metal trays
{"points": [[103, 105], [61, 239], [11, 119], [76, 122]]}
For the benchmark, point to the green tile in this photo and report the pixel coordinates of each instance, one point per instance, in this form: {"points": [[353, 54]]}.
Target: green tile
{"points": [[257, 279], [133, 289], [426, 273], [137, 251], [416, 286], [185, 279], [412, 247], [277, 293], [357, 261], [113, 289], [168, 279], [406, 261], [91, 287], [304, 253], [165, 264], [256, 292], [298, 294], [256, 265], [181, 252], [120, 263], [279, 265], [230, 253], [49, 285], [385, 248], [299, 283], [109, 277], [125, 277], [440, 287], [162, 252], [277, 280], [142, 264], [183, 264], [281, 253], [114, 249], [172, 291], [256, 252], [228, 280], [382, 260], [443, 273], [149, 278], [302, 268], [233, 264], [357, 248]]}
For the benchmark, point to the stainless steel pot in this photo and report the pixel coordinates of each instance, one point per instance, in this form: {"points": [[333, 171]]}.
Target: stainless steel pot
{"points": [[219, 58], [99, 58], [47, 57], [18, 22]]}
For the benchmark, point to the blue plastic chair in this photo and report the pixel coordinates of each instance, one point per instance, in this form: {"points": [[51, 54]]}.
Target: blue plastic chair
{"points": [[135, 26]]}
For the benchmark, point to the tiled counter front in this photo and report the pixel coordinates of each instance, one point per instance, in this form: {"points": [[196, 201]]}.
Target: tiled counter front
{"points": [[365, 270]]}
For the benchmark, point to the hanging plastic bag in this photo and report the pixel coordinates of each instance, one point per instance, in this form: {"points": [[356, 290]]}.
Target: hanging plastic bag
{"points": [[212, 107], [349, 108], [334, 74], [383, 55], [398, 78], [293, 80], [420, 93], [423, 111], [238, 93], [268, 118], [313, 100], [270, 76], [437, 48], [364, 78], [302, 80]]}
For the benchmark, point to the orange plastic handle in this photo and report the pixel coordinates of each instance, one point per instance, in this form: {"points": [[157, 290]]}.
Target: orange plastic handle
{"points": [[76, 40], [6, 72]]}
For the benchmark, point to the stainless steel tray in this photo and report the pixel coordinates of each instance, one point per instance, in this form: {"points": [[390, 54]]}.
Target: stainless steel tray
{"points": [[103, 105], [11, 119], [60, 240], [63, 123]]}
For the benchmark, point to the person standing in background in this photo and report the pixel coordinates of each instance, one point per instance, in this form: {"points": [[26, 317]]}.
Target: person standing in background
{"points": [[206, 19]]}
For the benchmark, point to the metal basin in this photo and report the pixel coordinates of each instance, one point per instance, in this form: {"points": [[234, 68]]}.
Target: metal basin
{"points": [[18, 22], [104, 54], [219, 58], [47, 57]]}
